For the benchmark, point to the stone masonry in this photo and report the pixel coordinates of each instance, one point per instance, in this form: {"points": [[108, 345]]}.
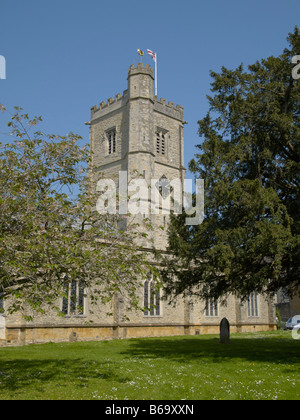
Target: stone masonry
{"points": [[138, 132]]}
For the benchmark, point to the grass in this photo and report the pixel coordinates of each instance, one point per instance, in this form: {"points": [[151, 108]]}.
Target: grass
{"points": [[253, 366]]}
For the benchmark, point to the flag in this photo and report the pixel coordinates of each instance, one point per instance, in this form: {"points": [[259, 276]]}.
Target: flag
{"points": [[153, 54]]}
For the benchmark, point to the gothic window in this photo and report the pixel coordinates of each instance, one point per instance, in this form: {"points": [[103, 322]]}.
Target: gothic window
{"points": [[211, 308], [161, 142], [252, 304], [111, 140], [151, 299], [73, 300]]}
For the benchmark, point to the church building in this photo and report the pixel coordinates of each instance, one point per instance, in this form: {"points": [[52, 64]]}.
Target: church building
{"points": [[138, 132]]}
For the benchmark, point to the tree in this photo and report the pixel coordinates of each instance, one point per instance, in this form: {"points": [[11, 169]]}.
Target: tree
{"points": [[50, 231], [249, 158]]}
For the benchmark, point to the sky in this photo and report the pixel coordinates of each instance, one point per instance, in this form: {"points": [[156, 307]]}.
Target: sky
{"points": [[63, 57]]}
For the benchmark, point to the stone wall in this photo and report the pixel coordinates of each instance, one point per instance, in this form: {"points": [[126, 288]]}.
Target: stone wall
{"points": [[186, 317]]}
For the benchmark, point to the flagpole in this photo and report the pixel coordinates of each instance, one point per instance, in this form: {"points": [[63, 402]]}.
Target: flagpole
{"points": [[155, 74], [154, 57]]}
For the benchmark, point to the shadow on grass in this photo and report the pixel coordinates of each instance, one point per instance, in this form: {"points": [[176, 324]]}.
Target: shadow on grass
{"points": [[37, 369], [207, 349], [19, 374]]}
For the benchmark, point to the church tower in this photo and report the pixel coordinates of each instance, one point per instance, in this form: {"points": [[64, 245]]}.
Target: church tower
{"points": [[137, 132]]}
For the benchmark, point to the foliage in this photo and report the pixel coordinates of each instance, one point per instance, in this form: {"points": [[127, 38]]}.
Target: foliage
{"points": [[50, 232], [249, 158]]}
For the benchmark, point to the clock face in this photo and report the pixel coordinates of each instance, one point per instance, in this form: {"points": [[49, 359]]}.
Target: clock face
{"points": [[164, 187]]}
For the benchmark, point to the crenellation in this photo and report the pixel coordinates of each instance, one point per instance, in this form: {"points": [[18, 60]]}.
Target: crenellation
{"points": [[110, 102], [141, 69], [168, 108]]}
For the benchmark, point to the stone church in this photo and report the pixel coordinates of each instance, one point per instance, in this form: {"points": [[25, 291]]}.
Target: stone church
{"points": [[137, 131]]}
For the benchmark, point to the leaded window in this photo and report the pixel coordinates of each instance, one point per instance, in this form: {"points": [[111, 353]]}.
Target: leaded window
{"points": [[253, 304], [73, 299], [211, 307], [152, 304]]}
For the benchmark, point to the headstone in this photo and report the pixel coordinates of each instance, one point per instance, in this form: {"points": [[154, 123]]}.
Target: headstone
{"points": [[224, 331]]}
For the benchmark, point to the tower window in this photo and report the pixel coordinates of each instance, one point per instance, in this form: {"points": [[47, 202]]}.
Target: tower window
{"points": [[161, 142], [111, 140]]}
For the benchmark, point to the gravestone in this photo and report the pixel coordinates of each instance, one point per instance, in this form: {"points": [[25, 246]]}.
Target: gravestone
{"points": [[224, 331]]}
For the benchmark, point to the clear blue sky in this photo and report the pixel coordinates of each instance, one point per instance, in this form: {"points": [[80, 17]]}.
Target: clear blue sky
{"points": [[64, 56]]}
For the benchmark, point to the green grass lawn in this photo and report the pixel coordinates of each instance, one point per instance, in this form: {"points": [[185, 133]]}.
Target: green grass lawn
{"points": [[252, 366]]}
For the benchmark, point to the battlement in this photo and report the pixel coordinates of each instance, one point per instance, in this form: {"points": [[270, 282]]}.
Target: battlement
{"points": [[170, 104], [161, 105], [140, 69], [117, 100]]}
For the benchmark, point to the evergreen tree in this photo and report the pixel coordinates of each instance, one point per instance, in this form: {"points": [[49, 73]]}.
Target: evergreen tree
{"points": [[249, 160]]}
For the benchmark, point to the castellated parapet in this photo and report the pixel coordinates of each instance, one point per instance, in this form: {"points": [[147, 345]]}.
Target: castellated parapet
{"points": [[160, 105], [112, 104], [168, 108], [141, 69]]}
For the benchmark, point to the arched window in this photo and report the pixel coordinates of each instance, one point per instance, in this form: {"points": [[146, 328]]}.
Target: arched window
{"points": [[73, 299], [211, 307], [152, 304], [252, 304], [111, 140]]}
